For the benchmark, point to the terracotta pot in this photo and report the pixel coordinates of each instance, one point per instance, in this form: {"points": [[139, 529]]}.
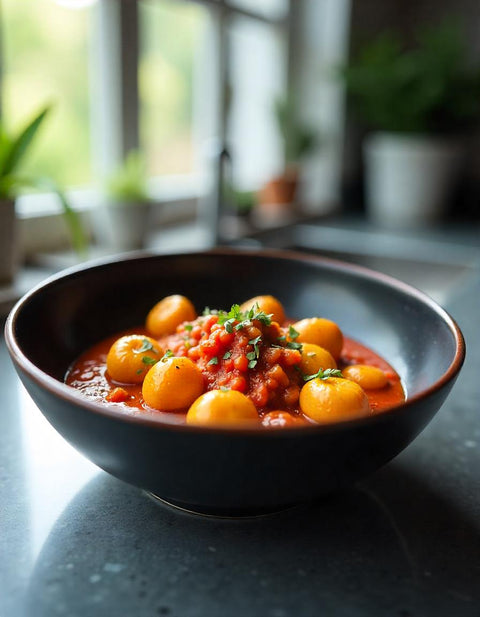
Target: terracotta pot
{"points": [[8, 241], [280, 190]]}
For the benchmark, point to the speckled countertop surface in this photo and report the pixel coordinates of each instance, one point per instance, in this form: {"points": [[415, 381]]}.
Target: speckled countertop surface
{"points": [[77, 542]]}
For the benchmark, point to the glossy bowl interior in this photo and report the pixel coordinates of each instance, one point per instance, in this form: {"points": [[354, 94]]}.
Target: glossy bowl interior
{"points": [[233, 472]]}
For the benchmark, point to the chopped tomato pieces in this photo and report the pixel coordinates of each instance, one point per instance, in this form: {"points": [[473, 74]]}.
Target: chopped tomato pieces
{"points": [[117, 395]]}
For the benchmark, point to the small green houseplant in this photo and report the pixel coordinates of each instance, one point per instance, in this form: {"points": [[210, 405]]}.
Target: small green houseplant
{"points": [[429, 88], [416, 102], [123, 219], [14, 147], [128, 183], [298, 141]]}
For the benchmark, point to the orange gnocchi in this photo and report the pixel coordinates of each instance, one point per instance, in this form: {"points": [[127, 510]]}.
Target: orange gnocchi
{"points": [[246, 366]]}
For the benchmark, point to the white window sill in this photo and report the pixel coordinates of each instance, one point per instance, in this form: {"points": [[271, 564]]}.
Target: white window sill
{"points": [[42, 226]]}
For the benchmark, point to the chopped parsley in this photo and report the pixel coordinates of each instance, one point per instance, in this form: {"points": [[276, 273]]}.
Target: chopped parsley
{"points": [[290, 344], [213, 360], [166, 355], [236, 319], [292, 333], [149, 361], [252, 356], [146, 346], [324, 374]]}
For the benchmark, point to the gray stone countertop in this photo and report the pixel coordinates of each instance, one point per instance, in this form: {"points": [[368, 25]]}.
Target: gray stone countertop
{"points": [[77, 542]]}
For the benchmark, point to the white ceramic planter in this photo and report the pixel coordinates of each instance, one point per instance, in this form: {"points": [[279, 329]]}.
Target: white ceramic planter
{"points": [[122, 226], [8, 241], [408, 179]]}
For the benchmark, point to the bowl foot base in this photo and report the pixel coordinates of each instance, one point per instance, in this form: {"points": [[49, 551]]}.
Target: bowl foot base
{"points": [[230, 513]]}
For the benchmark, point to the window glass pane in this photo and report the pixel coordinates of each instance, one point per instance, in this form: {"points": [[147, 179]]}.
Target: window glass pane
{"points": [[46, 60], [258, 77], [272, 9], [170, 35]]}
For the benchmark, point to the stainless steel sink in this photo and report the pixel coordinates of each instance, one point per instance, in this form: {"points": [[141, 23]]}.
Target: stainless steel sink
{"points": [[435, 262]]}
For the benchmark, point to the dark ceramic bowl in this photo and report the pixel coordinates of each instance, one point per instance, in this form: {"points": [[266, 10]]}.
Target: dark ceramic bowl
{"points": [[213, 470]]}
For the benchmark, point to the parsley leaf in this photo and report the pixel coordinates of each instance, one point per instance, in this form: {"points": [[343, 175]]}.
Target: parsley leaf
{"points": [[214, 360], [324, 374], [166, 355], [149, 361], [146, 346]]}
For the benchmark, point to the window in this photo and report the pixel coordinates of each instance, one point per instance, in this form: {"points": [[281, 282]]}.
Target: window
{"points": [[146, 73], [258, 77], [170, 35], [46, 60]]}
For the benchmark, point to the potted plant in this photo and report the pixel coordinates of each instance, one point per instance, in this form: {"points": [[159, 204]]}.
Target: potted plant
{"points": [[417, 104], [122, 220], [13, 150], [298, 141]]}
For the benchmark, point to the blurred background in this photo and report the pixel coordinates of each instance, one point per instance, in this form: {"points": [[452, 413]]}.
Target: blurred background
{"points": [[342, 127]]}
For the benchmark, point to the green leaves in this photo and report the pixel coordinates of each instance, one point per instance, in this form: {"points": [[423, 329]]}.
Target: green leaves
{"points": [[146, 346], [129, 182], [298, 140], [14, 148], [429, 87], [236, 319], [324, 374], [149, 361]]}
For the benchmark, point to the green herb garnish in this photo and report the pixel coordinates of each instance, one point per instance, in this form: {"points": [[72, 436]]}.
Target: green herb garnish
{"points": [[214, 360], [253, 356], [324, 374], [227, 355], [235, 319], [292, 333], [149, 361], [188, 327], [146, 346], [166, 355]]}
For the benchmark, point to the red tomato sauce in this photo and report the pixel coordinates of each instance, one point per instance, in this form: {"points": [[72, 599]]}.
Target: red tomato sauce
{"points": [[249, 360]]}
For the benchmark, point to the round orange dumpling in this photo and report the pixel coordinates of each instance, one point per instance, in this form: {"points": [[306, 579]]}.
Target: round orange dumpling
{"points": [[368, 377], [321, 332], [173, 383], [268, 304], [131, 356], [333, 399], [167, 314], [315, 358], [222, 407]]}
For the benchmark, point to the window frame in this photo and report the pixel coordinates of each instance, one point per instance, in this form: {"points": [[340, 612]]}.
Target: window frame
{"points": [[115, 119]]}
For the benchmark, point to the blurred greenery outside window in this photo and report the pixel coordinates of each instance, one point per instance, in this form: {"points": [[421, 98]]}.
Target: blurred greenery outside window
{"points": [[46, 59], [48, 55]]}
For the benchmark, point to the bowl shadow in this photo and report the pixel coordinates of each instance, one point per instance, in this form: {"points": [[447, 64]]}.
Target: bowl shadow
{"points": [[365, 550]]}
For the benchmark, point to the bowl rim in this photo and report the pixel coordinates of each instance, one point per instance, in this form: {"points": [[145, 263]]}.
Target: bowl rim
{"points": [[73, 396]]}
